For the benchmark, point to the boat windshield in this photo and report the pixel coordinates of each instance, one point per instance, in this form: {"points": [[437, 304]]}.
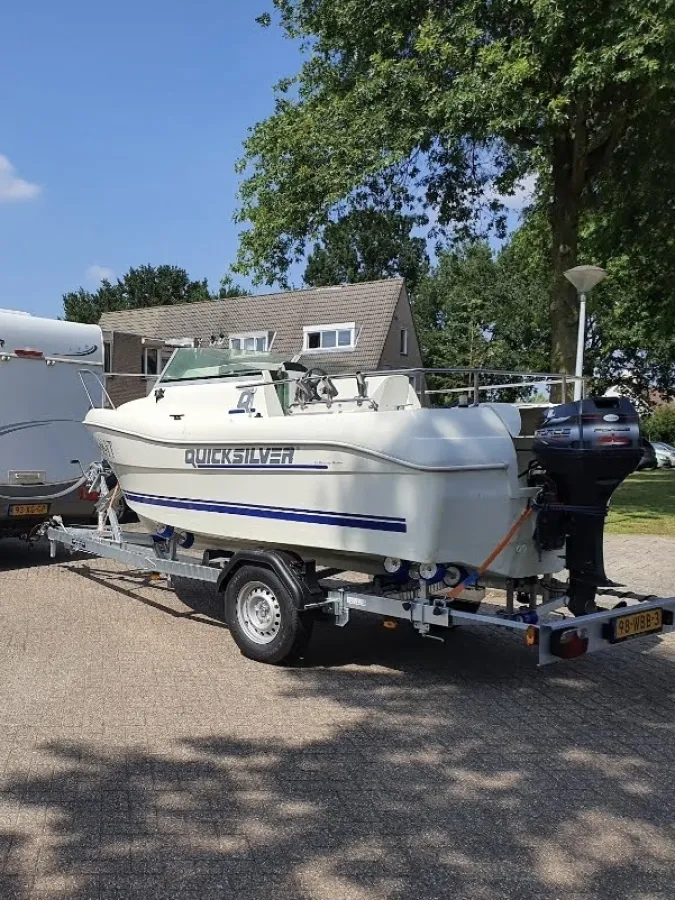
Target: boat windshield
{"points": [[198, 363]]}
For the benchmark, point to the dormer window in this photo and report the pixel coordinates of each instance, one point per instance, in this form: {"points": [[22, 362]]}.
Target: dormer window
{"points": [[327, 338], [258, 341]]}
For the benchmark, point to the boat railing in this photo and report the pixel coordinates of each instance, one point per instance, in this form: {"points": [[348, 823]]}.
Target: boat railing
{"points": [[332, 401], [478, 381], [99, 384]]}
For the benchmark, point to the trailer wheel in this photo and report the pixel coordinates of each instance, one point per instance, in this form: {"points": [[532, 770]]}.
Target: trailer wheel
{"points": [[263, 619]]}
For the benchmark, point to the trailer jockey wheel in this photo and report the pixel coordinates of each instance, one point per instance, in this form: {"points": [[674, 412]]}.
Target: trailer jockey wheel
{"points": [[263, 619]]}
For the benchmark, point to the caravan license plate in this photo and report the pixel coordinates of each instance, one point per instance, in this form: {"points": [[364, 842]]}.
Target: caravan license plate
{"points": [[29, 509], [636, 624]]}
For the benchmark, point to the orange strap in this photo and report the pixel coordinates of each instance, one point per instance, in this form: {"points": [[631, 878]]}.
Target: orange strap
{"points": [[522, 518]]}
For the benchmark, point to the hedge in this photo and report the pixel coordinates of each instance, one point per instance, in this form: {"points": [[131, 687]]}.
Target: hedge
{"points": [[660, 425]]}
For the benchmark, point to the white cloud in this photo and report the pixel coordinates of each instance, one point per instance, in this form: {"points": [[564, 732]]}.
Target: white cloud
{"points": [[521, 197], [12, 188], [98, 274]]}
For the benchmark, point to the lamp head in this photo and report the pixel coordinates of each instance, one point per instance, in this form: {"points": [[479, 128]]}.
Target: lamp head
{"points": [[585, 278]]}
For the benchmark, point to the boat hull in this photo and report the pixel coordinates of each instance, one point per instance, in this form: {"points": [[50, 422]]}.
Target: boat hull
{"points": [[339, 500]]}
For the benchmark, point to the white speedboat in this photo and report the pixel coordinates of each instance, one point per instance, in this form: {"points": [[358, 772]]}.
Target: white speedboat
{"points": [[238, 450]]}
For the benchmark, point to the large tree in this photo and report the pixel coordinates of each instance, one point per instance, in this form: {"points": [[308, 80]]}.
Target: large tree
{"points": [[476, 308], [366, 245], [450, 104], [144, 286], [230, 288], [632, 228]]}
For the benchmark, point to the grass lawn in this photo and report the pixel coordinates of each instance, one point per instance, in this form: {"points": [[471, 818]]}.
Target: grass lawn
{"points": [[644, 504]]}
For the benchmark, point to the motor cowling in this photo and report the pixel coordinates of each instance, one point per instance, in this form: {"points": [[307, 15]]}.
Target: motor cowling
{"points": [[587, 448]]}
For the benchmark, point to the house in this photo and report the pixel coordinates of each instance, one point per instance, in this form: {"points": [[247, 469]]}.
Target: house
{"points": [[347, 328]]}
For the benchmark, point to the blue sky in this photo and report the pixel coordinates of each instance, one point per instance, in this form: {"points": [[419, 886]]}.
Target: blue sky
{"points": [[121, 124]]}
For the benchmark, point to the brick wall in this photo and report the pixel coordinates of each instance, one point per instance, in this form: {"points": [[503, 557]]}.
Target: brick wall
{"points": [[392, 357], [126, 357]]}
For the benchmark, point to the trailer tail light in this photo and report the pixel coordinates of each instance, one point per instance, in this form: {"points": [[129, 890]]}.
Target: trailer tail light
{"points": [[569, 643], [531, 636], [27, 353], [89, 496]]}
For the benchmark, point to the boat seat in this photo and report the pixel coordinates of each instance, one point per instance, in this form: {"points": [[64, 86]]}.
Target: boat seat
{"points": [[394, 392]]}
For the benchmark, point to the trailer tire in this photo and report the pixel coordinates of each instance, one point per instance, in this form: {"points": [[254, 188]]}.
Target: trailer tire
{"points": [[264, 621]]}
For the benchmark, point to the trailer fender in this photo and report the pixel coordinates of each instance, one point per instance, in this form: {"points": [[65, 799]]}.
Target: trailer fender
{"points": [[298, 576]]}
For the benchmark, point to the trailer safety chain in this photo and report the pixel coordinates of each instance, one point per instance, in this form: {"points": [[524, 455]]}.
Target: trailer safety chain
{"points": [[627, 595]]}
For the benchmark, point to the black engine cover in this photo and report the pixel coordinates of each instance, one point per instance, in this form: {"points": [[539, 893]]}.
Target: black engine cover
{"points": [[587, 449]]}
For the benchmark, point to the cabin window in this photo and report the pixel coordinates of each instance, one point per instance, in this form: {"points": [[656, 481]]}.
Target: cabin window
{"points": [[107, 357], [150, 357], [404, 341], [257, 341], [329, 337]]}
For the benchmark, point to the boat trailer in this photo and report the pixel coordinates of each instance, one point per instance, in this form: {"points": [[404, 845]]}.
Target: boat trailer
{"points": [[272, 597]]}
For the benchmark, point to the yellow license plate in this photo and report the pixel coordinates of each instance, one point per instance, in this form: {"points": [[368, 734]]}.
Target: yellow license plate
{"points": [[647, 622], [29, 509]]}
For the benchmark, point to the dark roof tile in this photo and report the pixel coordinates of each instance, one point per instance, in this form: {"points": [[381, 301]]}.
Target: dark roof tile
{"points": [[370, 305]]}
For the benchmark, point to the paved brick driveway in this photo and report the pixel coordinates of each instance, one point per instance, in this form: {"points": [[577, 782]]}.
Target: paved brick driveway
{"points": [[142, 756]]}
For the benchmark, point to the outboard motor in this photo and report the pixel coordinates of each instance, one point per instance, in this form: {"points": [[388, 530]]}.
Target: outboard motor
{"points": [[587, 449]]}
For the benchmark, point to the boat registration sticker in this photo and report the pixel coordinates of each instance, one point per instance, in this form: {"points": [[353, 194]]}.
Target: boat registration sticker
{"points": [[636, 624], [28, 509]]}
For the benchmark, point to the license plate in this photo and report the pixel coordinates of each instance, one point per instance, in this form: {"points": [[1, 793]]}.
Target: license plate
{"points": [[29, 509], [647, 622]]}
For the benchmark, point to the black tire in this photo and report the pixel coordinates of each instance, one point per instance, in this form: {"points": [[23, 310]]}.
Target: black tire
{"points": [[289, 630]]}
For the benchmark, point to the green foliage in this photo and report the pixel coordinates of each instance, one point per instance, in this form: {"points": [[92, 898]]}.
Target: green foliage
{"points": [[631, 333], [144, 286], [660, 426], [474, 309], [402, 103], [633, 231], [366, 245], [230, 288]]}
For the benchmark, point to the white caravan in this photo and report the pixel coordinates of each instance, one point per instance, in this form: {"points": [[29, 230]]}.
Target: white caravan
{"points": [[43, 444]]}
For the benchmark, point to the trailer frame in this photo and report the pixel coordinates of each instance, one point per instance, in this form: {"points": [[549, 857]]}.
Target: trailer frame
{"points": [[554, 639]]}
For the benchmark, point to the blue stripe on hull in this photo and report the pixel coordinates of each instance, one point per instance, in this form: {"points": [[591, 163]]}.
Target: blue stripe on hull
{"points": [[288, 514]]}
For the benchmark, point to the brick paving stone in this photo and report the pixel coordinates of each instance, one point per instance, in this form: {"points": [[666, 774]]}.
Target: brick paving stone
{"points": [[141, 756]]}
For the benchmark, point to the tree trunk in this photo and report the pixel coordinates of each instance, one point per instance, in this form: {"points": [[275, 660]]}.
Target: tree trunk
{"points": [[564, 222]]}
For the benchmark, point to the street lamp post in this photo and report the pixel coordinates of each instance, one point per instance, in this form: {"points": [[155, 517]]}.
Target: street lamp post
{"points": [[584, 279]]}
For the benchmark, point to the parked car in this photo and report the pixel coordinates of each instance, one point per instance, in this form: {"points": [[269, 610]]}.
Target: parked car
{"points": [[649, 459], [665, 450]]}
